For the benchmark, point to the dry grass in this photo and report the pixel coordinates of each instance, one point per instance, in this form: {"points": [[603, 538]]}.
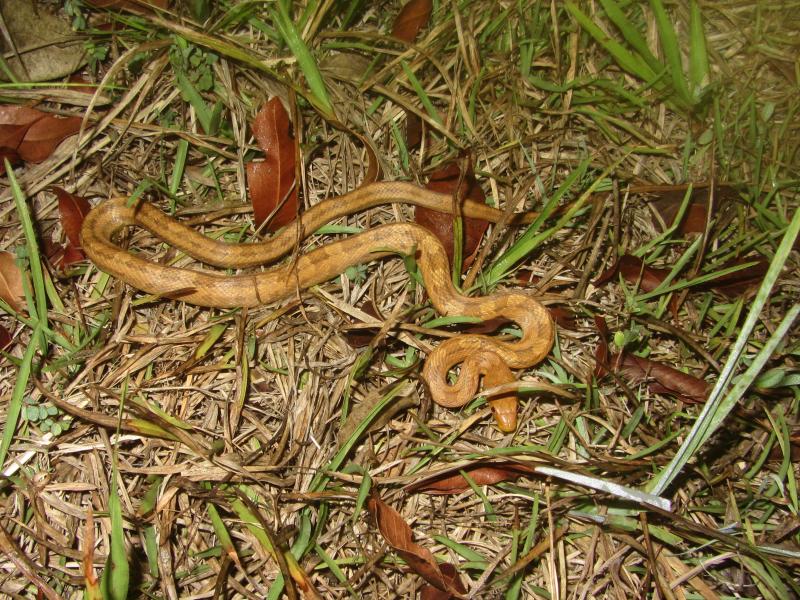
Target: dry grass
{"points": [[257, 411]]}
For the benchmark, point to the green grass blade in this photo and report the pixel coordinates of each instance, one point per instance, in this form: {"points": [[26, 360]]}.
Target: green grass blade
{"points": [[318, 92], [180, 165], [532, 238], [625, 59], [193, 97], [116, 575], [631, 34], [17, 395], [672, 51], [421, 93], [32, 250], [223, 537], [699, 70], [718, 405]]}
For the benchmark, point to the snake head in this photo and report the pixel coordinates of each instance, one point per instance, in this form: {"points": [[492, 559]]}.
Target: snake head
{"points": [[504, 409]]}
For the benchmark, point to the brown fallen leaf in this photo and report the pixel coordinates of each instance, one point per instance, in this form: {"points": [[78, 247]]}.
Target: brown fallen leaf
{"points": [[271, 183], [481, 472], [413, 131], [362, 336], [10, 155], [738, 283], [669, 198], [73, 209], [564, 317], [15, 121], [429, 592], [5, 338], [660, 378], [634, 271], [62, 257], [412, 17], [445, 180], [11, 289], [398, 535], [45, 134]]}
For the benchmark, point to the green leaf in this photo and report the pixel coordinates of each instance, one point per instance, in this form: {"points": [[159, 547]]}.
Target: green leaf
{"points": [[699, 79], [672, 51], [116, 575], [318, 91], [630, 62]]}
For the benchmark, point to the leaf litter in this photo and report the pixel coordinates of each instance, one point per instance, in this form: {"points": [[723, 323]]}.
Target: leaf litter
{"points": [[335, 443]]}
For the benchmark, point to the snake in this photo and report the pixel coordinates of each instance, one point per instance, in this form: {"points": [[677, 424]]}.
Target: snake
{"points": [[479, 358]]}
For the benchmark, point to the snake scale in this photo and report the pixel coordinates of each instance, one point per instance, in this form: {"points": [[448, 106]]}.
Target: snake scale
{"points": [[479, 356]]}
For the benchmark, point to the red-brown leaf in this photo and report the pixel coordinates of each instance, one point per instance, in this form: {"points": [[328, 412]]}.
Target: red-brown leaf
{"points": [[361, 337], [412, 17], [429, 592], [398, 535], [669, 199], [445, 180], [740, 282], [11, 289], [5, 338], [634, 271], [272, 181], [73, 210], [44, 136], [481, 473], [563, 317], [601, 353], [413, 131], [63, 256], [14, 122], [10, 155], [661, 378]]}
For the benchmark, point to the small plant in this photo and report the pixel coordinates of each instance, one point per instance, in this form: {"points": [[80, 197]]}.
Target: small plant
{"points": [[686, 91], [74, 10], [46, 416]]}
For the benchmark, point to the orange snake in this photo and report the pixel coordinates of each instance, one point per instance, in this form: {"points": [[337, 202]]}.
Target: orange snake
{"points": [[478, 355]]}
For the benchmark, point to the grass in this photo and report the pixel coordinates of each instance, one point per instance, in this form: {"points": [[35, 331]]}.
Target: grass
{"points": [[233, 453]]}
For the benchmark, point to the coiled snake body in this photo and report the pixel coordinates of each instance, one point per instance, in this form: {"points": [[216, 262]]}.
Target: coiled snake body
{"points": [[478, 355]]}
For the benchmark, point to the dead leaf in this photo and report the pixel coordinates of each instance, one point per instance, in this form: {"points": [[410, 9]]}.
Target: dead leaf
{"points": [[660, 378], [11, 289], [413, 131], [741, 282], [563, 317], [272, 182], [361, 337], [481, 472], [42, 44], [635, 272], [73, 210], [10, 155], [15, 121], [5, 338], [44, 136], [429, 592], [669, 198], [412, 17], [398, 535], [445, 181], [63, 256]]}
